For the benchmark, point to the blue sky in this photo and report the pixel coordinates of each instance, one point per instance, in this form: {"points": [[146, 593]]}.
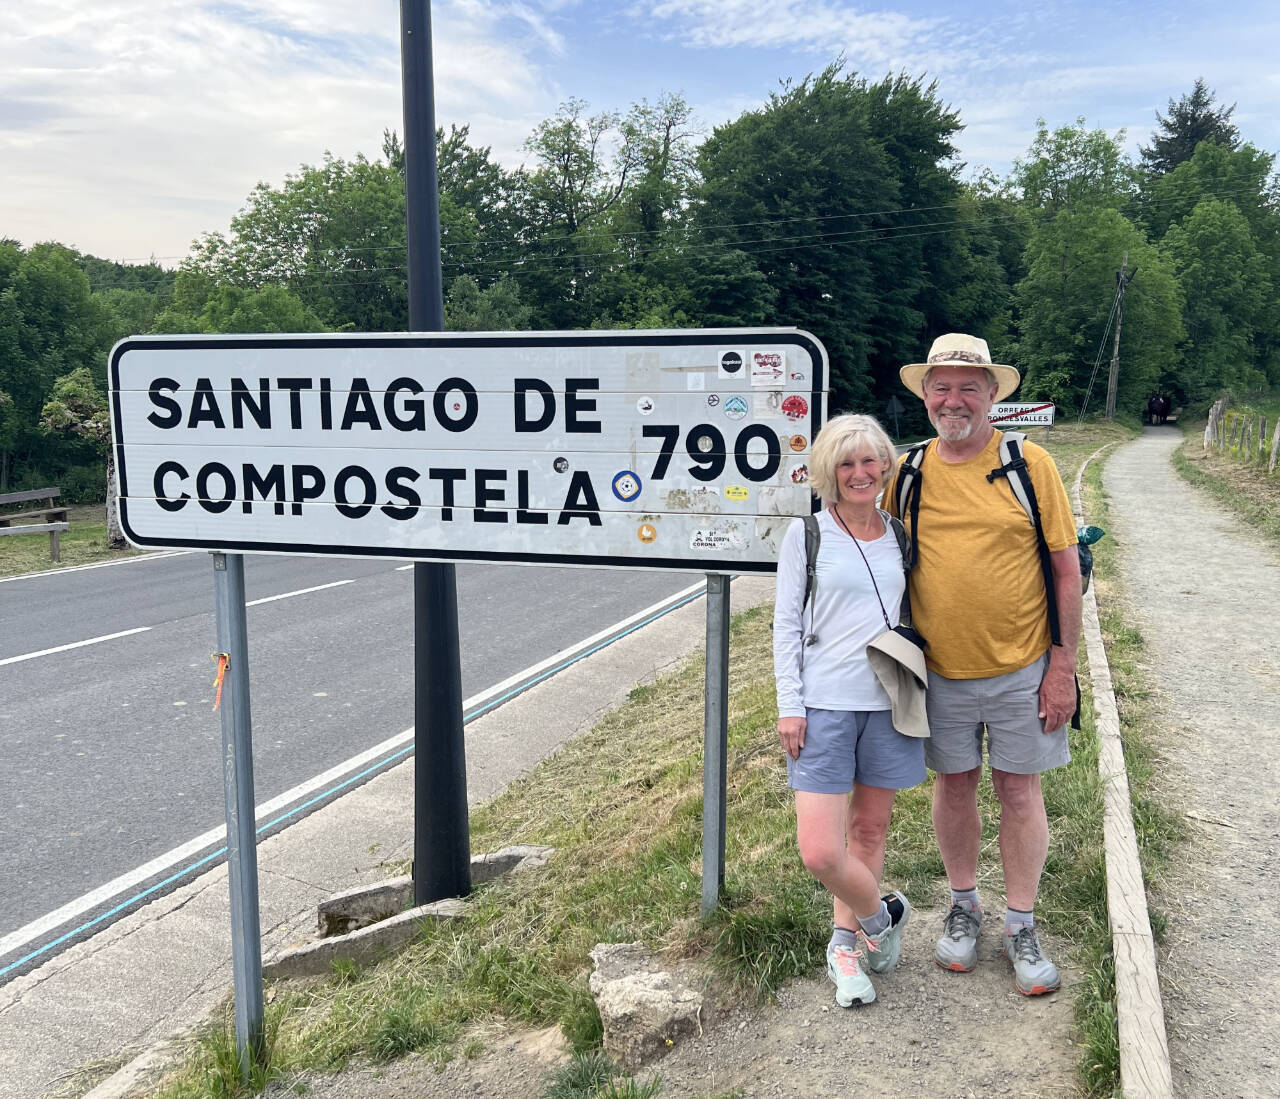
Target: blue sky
{"points": [[128, 127]]}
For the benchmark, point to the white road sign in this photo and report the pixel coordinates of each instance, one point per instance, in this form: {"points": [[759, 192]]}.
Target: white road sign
{"points": [[675, 449], [1034, 414]]}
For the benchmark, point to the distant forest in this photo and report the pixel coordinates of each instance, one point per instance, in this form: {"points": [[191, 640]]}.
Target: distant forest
{"points": [[839, 206]]}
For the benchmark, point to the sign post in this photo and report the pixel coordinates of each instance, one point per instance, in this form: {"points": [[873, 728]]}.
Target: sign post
{"points": [[895, 408], [441, 835], [715, 737], [237, 771]]}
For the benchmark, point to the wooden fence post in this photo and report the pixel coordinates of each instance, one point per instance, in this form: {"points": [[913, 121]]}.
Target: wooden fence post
{"points": [[1275, 447], [1262, 437]]}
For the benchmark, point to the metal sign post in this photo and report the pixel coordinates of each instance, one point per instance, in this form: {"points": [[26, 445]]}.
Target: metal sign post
{"points": [[237, 772], [715, 741], [441, 836]]}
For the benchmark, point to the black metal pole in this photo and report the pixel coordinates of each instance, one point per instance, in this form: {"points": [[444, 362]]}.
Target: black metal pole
{"points": [[441, 837]]}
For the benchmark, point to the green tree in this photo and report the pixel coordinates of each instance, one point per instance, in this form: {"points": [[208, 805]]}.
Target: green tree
{"points": [[333, 235], [1191, 120], [843, 194], [1241, 176], [77, 410], [1064, 312], [50, 325], [497, 308], [1073, 168], [1228, 291], [229, 308]]}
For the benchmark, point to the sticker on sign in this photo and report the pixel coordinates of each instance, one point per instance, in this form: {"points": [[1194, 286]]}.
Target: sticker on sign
{"points": [[520, 447], [1034, 414]]}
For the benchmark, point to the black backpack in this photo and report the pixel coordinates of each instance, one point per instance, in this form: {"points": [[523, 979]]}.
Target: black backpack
{"points": [[906, 490]]}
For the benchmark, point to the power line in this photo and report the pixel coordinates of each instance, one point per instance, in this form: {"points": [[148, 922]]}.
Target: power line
{"points": [[1135, 202]]}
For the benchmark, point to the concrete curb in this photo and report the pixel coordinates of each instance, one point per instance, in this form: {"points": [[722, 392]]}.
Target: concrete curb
{"points": [[365, 946], [363, 905], [1145, 1072]]}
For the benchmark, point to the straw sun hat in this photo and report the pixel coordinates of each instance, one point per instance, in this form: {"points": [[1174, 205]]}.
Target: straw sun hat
{"points": [[957, 349]]}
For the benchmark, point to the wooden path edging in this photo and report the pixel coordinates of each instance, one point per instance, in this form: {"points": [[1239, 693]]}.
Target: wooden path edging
{"points": [[1144, 1046]]}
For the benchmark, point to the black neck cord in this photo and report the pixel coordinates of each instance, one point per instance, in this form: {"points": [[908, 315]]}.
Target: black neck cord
{"points": [[840, 519]]}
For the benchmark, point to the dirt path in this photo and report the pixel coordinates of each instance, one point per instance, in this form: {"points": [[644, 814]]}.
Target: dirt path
{"points": [[1206, 596], [929, 1032]]}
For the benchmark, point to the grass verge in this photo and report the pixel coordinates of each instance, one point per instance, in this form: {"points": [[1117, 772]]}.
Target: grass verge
{"points": [[84, 543], [622, 807], [1244, 487]]}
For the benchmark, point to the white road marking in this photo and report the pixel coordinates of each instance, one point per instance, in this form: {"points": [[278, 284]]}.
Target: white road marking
{"points": [[40, 927], [95, 565], [73, 645], [144, 629], [300, 591]]}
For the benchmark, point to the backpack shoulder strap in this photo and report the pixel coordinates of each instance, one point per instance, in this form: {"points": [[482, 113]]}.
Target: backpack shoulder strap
{"points": [[906, 491], [905, 548], [812, 540], [1014, 470], [904, 543]]}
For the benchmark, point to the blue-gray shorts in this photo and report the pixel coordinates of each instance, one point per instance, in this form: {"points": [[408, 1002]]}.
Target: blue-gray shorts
{"points": [[1008, 707], [841, 746]]}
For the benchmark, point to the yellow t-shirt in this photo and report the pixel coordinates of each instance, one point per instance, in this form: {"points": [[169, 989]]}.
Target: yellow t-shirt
{"points": [[977, 592]]}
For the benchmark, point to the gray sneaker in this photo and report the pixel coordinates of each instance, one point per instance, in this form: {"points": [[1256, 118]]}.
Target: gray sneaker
{"points": [[957, 950], [844, 967], [883, 949], [1033, 973]]}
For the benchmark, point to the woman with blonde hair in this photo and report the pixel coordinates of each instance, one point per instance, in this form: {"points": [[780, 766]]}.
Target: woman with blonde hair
{"points": [[845, 759]]}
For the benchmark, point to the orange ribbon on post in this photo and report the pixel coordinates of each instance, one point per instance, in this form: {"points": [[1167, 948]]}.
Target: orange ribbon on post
{"points": [[224, 661]]}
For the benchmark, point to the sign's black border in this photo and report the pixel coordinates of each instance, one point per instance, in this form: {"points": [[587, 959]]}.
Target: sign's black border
{"points": [[696, 338]]}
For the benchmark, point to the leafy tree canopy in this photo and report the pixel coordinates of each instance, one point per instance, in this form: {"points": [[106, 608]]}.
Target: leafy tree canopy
{"points": [[1229, 289], [844, 195], [1074, 168]]}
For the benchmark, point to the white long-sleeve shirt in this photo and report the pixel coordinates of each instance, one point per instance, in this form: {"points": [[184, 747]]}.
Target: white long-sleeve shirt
{"points": [[833, 673]]}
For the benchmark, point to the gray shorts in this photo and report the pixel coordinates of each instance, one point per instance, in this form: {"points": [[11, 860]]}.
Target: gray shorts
{"points": [[1008, 707], [841, 746]]}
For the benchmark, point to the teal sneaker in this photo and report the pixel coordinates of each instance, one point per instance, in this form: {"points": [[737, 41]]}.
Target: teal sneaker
{"points": [[844, 967], [1033, 973], [884, 949], [957, 950]]}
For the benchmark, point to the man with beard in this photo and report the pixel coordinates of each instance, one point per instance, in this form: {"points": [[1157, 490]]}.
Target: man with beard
{"points": [[978, 597]]}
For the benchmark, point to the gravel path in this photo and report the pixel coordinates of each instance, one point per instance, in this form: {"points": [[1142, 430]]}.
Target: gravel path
{"points": [[1206, 595]]}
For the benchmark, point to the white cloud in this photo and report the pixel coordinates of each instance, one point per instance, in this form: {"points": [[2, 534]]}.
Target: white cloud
{"points": [[873, 38], [127, 127]]}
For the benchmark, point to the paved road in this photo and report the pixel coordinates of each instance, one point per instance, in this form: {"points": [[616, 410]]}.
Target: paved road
{"points": [[111, 749]]}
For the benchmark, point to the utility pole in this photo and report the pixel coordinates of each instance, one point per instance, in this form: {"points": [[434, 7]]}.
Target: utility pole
{"points": [[1123, 278]]}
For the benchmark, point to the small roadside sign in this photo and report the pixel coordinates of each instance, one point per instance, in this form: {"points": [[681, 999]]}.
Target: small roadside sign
{"points": [[679, 449], [1036, 414]]}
